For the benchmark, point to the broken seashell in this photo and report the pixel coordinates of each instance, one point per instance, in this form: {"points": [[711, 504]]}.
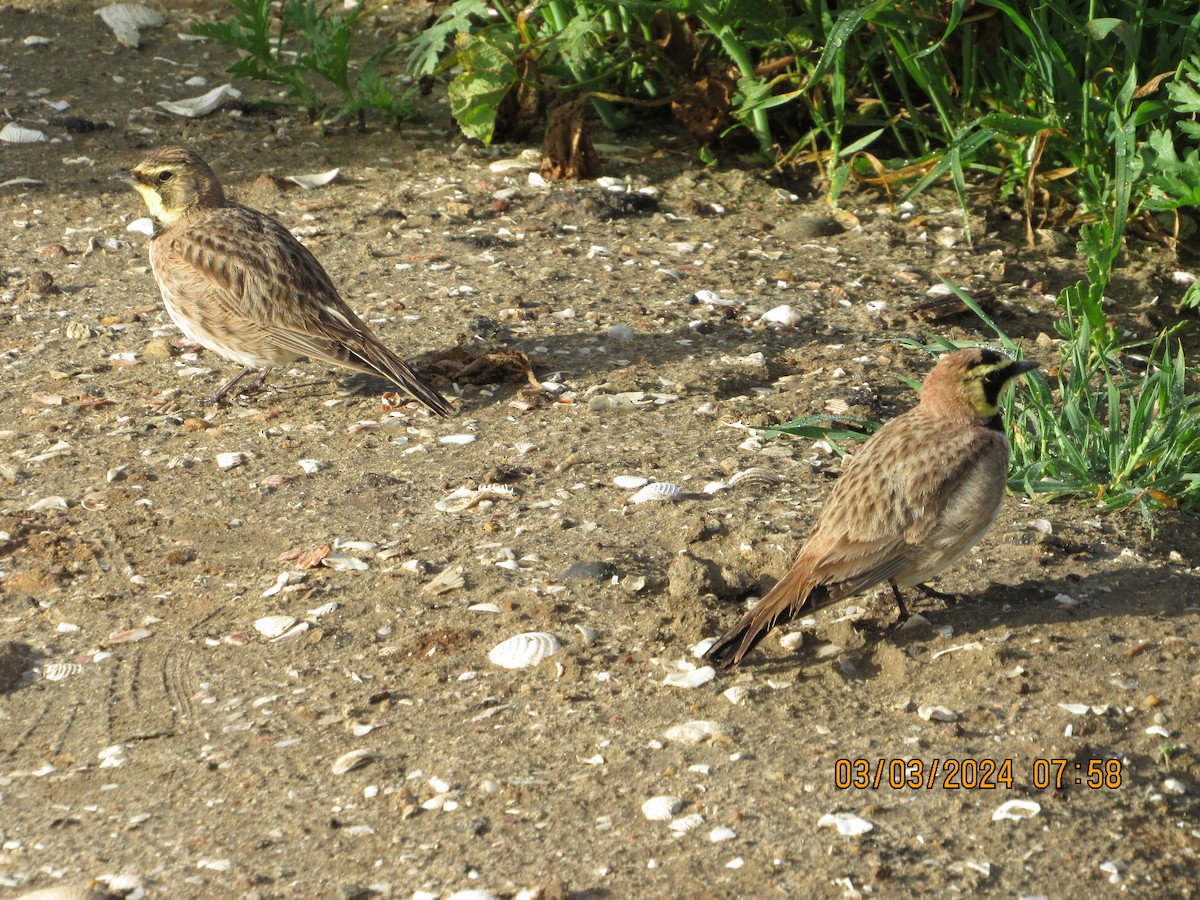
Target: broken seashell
{"points": [[353, 760], [714, 487], [324, 609], [284, 579], [524, 650], [126, 18], [756, 475], [657, 490], [661, 809], [274, 626], [65, 892], [684, 824], [782, 315], [195, 107], [128, 636], [320, 179], [1075, 709], [1016, 809], [59, 671], [846, 823], [449, 579], [48, 503], [341, 563], [230, 460], [457, 501], [722, 833], [937, 714], [466, 498], [298, 628], [694, 732], [12, 133], [736, 694], [630, 482], [691, 679], [457, 438], [312, 466]]}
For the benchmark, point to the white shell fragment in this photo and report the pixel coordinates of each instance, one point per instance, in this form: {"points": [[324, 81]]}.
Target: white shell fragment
{"points": [[320, 179], [353, 760], [691, 678], [524, 650], [782, 315], [144, 225], [230, 460], [125, 19], [1075, 709], [756, 475], [937, 714], [59, 671], [58, 504], [283, 580], [722, 833], [466, 498], [12, 133], [1016, 809], [339, 562], [312, 466], [630, 482], [64, 892], [694, 732], [449, 579], [846, 823], [684, 824], [658, 490], [195, 107], [274, 626], [324, 609], [661, 809]]}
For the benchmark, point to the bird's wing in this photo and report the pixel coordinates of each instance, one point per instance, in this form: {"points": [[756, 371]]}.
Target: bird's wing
{"points": [[255, 271], [259, 277]]}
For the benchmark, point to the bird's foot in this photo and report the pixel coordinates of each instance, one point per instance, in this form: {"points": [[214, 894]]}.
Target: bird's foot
{"points": [[219, 397], [934, 593]]}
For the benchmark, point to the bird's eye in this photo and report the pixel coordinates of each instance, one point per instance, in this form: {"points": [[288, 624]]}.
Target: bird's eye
{"points": [[164, 177]]}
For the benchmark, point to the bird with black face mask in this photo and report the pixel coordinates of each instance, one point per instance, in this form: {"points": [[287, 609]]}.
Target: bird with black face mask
{"points": [[921, 492]]}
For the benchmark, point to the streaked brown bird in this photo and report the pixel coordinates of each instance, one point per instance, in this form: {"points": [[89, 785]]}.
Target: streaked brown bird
{"points": [[921, 492], [239, 283]]}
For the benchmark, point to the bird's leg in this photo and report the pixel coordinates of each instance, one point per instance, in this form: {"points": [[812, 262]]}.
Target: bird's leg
{"points": [[259, 381], [219, 396], [903, 617]]}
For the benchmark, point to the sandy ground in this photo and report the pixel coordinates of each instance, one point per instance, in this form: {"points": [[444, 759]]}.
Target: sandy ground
{"points": [[155, 743]]}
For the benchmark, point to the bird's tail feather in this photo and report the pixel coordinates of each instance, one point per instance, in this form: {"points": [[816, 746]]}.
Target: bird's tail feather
{"points": [[781, 604], [386, 363]]}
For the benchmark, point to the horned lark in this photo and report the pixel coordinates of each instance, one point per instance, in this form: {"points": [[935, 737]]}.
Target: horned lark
{"points": [[237, 282], [921, 492]]}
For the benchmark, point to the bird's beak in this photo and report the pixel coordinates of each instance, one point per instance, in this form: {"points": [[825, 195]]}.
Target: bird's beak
{"points": [[1021, 366], [126, 178]]}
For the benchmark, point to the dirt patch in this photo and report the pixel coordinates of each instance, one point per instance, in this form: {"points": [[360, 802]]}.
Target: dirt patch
{"points": [[155, 739]]}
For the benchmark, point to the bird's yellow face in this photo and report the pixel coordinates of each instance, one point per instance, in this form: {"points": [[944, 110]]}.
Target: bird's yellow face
{"points": [[985, 376], [173, 181]]}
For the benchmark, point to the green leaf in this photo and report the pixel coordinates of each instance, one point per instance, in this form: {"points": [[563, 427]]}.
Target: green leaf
{"points": [[489, 73], [426, 47]]}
